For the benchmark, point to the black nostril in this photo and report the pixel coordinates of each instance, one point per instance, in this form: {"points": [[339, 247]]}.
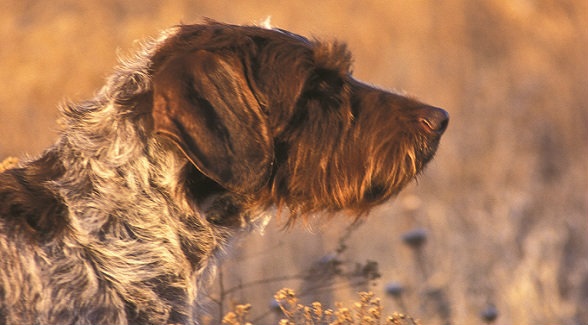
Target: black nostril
{"points": [[434, 119]]}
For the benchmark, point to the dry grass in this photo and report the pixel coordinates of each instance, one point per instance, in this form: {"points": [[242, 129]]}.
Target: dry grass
{"points": [[503, 205], [366, 311]]}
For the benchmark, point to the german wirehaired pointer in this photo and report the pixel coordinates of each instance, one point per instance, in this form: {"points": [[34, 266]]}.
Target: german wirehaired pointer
{"points": [[123, 219]]}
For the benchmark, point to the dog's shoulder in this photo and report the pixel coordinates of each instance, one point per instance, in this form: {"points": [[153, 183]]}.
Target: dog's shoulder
{"points": [[27, 204]]}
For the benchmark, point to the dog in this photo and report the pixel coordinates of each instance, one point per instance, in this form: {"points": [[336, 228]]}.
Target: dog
{"points": [[187, 147]]}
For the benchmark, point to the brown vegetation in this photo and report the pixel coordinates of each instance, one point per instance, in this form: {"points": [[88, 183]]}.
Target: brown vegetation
{"points": [[366, 311], [503, 207]]}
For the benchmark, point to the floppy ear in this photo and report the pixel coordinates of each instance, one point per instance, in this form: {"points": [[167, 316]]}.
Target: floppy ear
{"points": [[202, 101]]}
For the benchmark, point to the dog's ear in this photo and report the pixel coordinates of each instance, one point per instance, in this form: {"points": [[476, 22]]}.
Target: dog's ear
{"points": [[204, 103]]}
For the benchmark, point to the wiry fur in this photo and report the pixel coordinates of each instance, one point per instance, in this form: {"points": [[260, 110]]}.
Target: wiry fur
{"points": [[124, 218]]}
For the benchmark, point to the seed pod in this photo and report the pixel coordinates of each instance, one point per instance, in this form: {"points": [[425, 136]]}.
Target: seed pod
{"points": [[415, 238], [489, 314], [394, 289]]}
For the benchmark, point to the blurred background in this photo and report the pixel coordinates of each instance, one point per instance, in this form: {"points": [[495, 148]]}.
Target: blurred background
{"points": [[496, 230]]}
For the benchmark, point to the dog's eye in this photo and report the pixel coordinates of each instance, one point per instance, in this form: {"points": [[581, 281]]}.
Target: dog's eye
{"points": [[324, 86], [328, 81]]}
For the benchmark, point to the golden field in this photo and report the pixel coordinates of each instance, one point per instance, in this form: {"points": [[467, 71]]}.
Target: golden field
{"points": [[503, 207]]}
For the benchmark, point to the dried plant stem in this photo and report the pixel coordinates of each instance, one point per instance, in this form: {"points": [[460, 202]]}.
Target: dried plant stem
{"points": [[223, 293], [242, 286]]}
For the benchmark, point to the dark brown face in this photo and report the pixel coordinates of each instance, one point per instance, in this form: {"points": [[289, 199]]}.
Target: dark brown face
{"points": [[278, 119]]}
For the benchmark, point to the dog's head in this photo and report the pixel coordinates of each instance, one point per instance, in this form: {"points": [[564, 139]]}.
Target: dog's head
{"points": [[279, 119]]}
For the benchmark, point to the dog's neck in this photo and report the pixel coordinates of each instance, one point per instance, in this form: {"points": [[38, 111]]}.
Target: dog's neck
{"points": [[145, 224]]}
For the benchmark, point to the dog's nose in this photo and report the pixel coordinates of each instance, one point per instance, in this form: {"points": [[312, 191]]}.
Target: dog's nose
{"points": [[433, 119]]}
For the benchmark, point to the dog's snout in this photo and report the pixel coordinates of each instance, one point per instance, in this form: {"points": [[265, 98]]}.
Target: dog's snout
{"points": [[433, 119]]}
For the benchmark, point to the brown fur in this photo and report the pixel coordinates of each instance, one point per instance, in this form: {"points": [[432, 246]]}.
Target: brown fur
{"points": [[124, 218]]}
